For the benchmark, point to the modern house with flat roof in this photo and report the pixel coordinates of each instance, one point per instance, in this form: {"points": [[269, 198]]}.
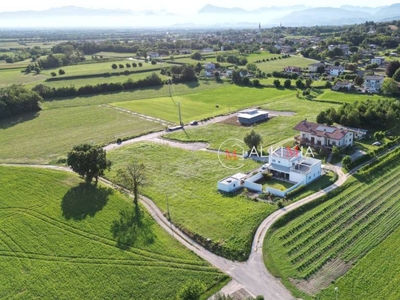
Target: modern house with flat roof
{"points": [[251, 116], [285, 164], [290, 164], [314, 134]]}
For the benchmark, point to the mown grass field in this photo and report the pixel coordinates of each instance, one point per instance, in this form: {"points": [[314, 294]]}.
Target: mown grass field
{"points": [[96, 80], [189, 180], [273, 131], [50, 134], [100, 67], [204, 104], [279, 64], [15, 76], [329, 95], [57, 242], [313, 249], [373, 277]]}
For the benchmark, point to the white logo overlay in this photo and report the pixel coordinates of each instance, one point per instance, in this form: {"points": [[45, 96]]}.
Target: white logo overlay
{"points": [[231, 153]]}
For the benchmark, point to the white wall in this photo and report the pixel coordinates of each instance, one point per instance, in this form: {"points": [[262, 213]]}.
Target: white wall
{"points": [[314, 173], [296, 177], [229, 187]]}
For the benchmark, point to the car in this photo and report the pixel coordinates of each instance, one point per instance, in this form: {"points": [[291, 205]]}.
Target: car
{"points": [[194, 123], [376, 144]]}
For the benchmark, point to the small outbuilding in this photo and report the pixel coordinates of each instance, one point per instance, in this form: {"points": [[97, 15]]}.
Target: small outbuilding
{"points": [[232, 183], [251, 116]]}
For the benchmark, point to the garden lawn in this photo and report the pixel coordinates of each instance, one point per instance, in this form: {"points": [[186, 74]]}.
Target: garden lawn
{"points": [[189, 180], [314, 245], [205, 103], [50, 134], [272, 131], [56, 242]]}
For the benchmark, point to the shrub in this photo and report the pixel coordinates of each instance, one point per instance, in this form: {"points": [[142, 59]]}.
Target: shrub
{"points": [[61, 72], [53, 74], [114, 66]]}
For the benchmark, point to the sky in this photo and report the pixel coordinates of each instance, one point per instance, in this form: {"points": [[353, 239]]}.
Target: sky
{"points": [[179, 7]]}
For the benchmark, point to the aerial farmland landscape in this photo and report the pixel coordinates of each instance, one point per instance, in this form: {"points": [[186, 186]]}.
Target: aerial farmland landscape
{"points": [[200, 150]]}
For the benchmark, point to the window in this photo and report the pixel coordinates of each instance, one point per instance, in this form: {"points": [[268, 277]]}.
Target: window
{"points": [[234, 185], [274, 160]]}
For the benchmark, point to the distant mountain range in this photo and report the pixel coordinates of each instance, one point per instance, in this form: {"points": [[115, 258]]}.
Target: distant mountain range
{"points": [[300, 15], [208, 16]]}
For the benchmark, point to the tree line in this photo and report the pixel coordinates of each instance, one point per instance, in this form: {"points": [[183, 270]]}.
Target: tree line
{"points": [[16, 99], [47, 92], [381, 114]]}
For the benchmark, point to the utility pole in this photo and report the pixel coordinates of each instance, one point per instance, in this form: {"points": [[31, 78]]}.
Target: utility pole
{"points": [[179, 110]]}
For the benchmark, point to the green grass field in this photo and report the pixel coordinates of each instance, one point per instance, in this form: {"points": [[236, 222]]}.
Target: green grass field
{"points": [[312, 250], [272, 131], [189, 180], [372, 276], [204, 104], [97, 80], [53, 132], [279, 64], [329, 95], [57, 242], [100, 67], [14, 76], [251, 58]]}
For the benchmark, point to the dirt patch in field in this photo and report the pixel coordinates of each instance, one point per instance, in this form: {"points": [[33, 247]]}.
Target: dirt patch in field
{"points": [[324, 277]]}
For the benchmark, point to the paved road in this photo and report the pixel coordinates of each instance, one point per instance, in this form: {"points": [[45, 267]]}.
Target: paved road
{"points": [[252, 275]]}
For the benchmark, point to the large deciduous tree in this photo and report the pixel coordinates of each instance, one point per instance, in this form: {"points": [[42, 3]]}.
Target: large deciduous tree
{"points": [[89, 161], [252, 139], [389, 86], [133, 176], [392, 67]]}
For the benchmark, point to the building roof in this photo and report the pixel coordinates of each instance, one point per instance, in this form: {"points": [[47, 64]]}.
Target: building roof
{"points": [[251, 113], [316, 129], [374, 77], [233, 178], [335, 68]]}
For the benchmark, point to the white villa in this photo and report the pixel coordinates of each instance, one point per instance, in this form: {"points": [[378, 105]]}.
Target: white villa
{"points": [[334, 70], [314, 134], [291, 165], [373, 83], [285, 164], [377, 60]]}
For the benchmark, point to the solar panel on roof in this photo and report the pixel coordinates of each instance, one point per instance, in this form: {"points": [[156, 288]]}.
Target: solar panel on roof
{"points": [[326, 129]]}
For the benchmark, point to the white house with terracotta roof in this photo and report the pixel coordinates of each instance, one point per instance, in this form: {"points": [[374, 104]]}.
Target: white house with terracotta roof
{"points": [[373, 83], [314, 134], [342, 85], [292, 69]]}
